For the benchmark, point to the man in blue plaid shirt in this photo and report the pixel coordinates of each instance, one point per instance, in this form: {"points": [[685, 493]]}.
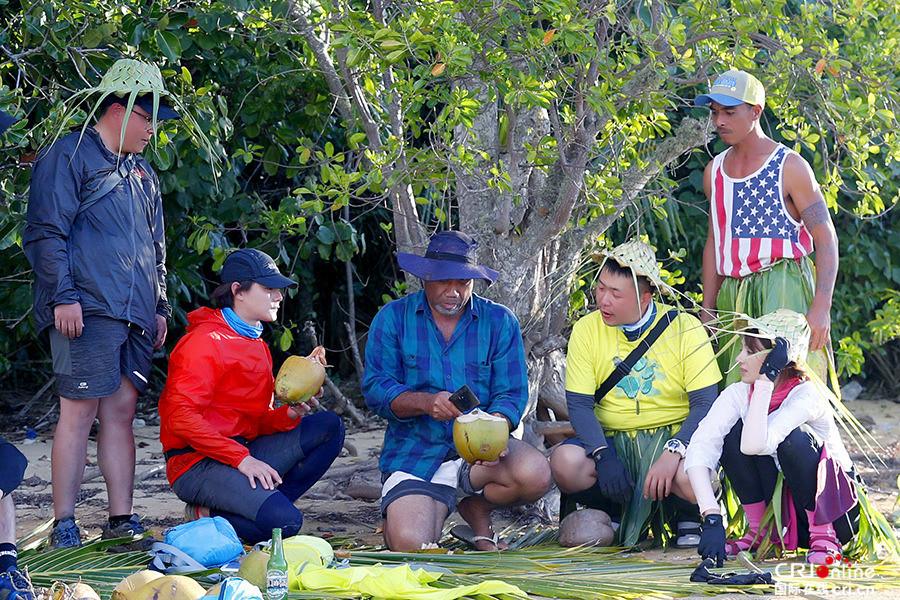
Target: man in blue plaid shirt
{"points": [[421, 348]]}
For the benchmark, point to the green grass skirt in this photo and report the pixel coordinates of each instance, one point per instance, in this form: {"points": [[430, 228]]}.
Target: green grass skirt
{"points": [[638, 450], [787, 284]]}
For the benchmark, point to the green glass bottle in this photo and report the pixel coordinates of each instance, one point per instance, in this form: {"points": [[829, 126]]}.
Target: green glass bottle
{"points": [[276, 569]]}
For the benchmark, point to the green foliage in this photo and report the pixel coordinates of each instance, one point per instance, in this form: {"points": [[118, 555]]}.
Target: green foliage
{"points": [[310, 174], [252, 89]]}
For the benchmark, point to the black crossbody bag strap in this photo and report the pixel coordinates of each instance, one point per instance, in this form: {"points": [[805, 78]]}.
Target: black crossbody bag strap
{"points": [[624, 368], [105, 181]]}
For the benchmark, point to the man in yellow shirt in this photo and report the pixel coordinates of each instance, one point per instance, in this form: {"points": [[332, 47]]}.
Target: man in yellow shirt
{"points": [[632, 429]]}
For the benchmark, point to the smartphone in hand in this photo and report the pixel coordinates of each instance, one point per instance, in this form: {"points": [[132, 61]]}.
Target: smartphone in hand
{"points": [[464, 399]]}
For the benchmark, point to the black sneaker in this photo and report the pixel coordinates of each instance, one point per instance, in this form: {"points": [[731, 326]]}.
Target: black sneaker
{"points": [[132, 528], [65, 534], [15, 585], [688, 534]]}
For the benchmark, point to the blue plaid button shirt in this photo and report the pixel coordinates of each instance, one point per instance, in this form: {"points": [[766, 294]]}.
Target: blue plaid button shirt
{"points": [[406, 352]]}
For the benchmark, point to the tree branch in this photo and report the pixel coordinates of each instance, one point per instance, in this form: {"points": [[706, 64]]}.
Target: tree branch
{"points": [[342, 404], [320, 51], [408, 231], [350, 325], [558, 131], [690, 134]]}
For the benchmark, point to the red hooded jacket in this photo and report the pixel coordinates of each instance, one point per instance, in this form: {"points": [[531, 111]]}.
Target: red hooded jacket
{"points": [[219, 387]]}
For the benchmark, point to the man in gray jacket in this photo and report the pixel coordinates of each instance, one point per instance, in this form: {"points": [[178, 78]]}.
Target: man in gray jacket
{"points": [[95, 239]]}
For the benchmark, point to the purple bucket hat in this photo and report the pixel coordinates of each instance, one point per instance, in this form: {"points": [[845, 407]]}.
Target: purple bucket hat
{"points": [[450, 255]]}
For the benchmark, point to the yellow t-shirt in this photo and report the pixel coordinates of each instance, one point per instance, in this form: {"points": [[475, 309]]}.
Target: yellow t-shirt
{"points": [[655, 393]]}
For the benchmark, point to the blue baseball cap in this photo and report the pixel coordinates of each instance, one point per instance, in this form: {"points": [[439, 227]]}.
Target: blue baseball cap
{"points": [[249, 264], [6, 121], [450, 255], [733, 88]]}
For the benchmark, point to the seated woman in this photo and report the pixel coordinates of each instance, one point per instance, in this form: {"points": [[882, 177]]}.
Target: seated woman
{"points": [[774, 419], [228, 451]]}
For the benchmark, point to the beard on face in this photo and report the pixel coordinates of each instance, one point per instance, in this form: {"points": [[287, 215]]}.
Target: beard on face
{"points": [[449, 312]]}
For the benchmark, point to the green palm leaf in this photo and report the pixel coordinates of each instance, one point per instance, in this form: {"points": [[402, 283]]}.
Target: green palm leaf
{"points": [[553, 572], [91, 564]]}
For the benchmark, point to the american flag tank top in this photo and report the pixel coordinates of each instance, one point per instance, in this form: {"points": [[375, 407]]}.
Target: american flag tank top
{"points": [[752, 228]]}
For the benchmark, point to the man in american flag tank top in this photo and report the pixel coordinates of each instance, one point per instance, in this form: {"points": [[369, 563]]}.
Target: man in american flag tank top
{"points": [[767, 216]]}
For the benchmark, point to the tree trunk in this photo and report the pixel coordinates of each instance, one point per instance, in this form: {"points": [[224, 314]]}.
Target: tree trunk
{"points": [[520, 214]]}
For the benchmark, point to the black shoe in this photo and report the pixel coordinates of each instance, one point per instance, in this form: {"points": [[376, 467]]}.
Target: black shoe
{"points": [[688, 534], [132, 528]]}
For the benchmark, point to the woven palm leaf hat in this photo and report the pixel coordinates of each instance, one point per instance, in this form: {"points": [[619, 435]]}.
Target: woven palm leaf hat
{"points": [[142, 83], [640, 258], [782, 323]]}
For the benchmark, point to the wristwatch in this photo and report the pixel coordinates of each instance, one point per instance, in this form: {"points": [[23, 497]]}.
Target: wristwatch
{"points": [[676, 447]]}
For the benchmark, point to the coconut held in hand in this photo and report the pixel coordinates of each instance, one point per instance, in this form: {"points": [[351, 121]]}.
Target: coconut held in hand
{"points": [[301, 377], [480, 436]]}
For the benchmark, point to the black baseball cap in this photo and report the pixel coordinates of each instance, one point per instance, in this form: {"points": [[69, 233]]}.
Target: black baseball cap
{"points": [[164, 111], [249, 264], [145, 103]]}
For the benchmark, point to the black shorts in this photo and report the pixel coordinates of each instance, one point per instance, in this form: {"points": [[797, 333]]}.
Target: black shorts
{"points": [[93, 364], [12, 467]]}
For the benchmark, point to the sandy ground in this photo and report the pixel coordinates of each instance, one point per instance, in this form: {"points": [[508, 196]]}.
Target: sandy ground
{"points": [[330, 511], [160, 508]]}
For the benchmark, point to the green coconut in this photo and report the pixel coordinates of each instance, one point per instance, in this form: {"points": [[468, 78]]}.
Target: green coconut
{"points": [[253, 568], [303, 551], [480, 436], [134, 582], [299, 379]]}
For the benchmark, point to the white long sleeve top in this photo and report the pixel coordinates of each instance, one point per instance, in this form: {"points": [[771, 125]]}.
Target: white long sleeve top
{"points": [[803, 407]]}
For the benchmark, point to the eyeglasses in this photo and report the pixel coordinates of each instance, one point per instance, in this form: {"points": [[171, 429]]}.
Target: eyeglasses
{"points": [[148, 120]]}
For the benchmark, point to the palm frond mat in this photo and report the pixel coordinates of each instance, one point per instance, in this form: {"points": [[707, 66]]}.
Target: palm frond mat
{"points": [[545, 570], [91, 563], [554, 572]]}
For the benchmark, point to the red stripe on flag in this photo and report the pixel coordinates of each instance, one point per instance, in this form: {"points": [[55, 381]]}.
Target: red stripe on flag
{"points": [[805, 240], [753, 257], [736, 258], [777, 249], [719, 207]]}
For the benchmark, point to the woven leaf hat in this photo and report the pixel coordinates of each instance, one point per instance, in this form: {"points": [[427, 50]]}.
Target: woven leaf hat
{"points": [[783, 323], [132, 79], [640, 258]]}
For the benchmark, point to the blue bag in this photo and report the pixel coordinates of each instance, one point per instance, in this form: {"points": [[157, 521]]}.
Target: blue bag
{"points": [[235, 588], [196, 546]]}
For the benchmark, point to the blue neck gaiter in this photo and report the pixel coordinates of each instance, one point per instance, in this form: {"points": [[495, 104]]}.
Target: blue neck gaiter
{"points": [[239, 326], [635, 330]]}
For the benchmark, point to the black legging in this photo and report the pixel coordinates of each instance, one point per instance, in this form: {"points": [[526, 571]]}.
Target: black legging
{"points": [[322, 438], [753, 477]]}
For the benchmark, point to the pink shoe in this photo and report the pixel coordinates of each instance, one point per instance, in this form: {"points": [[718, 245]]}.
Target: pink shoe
{"points": [[750, 542], [824, 546], [754, 537]]}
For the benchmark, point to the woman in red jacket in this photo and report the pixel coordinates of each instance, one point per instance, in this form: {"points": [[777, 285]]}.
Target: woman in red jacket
{"points": [[228, 451]]}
